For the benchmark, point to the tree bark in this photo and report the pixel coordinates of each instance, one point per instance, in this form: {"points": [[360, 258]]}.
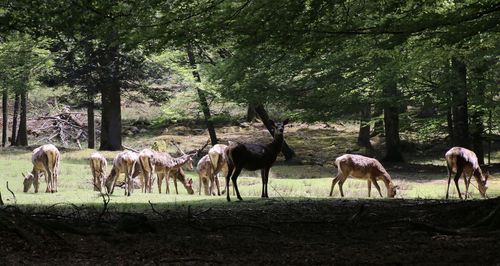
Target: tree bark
{"points": [[262, 113], [22, 135], [202, 99], [14, 120], [459, 105], [111, 124], [251, 114], [90, 120], [364, 127], [5, 117], [391, 124]]}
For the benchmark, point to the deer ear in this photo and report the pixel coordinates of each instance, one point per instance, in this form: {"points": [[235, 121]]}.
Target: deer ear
{"points": [[23, 175], [286, 121], [272, 122], [190, 181]]}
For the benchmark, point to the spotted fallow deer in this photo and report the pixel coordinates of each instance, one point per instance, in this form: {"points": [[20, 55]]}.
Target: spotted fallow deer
{"points": [[158, 162], [362, 167], [45, 160], [126, 162], [462, 161], [254, 157], [98, 166], [167, 166]]}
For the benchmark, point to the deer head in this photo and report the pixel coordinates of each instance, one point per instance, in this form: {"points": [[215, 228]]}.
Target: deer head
{"points": [[482, 184], [391, 193], [27, 182], [278, 128], [189, 186]]}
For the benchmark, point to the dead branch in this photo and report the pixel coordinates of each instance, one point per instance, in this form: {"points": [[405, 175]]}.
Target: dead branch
{"points": [[11, 192], [130, 149], [177, 146], [1, 200]]}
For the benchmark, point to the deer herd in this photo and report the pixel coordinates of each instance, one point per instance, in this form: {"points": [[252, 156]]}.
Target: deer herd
{"points": [[230, 160]]}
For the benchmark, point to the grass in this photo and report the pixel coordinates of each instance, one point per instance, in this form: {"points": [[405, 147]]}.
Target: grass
{"points": [[286, 182]]}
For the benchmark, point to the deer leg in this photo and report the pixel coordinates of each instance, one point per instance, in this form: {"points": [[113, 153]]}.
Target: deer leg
{"points": [[341, 182], [175, 184], [263, 177], [160, 178], [228, 177], [467, 183], [267, 180], [234, 178], [369, 188], [449, 179], [217, 184], [36, 181], [334, 181], [167, 180], [457, 177], [374, 181]]}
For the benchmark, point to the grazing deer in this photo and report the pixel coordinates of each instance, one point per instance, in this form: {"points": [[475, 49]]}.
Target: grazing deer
{"points": [[125, 162], [45, 160], [166, 166], [362, 167], [254, 157], [178, 174], [462, 161], [98, 166]]}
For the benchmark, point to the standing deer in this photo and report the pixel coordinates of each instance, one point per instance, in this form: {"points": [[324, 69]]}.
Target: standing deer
{"points": [[45, 160], [98, 167], [462, 161], [147, 161], [254, 157], [125, 162], [166, 167], [207, 176], [218, 162], [362, 167]]}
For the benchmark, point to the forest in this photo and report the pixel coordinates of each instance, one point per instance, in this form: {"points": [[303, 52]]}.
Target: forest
{"points": [[106, 98]]}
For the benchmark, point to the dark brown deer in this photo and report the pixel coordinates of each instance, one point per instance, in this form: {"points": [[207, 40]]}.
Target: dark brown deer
{"points": [[462, 161], [254, 157]]}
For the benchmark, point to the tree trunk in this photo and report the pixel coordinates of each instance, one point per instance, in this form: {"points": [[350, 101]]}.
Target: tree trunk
{"points": [[364, 127], [459, 105], [111, 124], [262, 113], [251, 114], [5, 117], [378, 126], [391, 124], [14, 120], [449, 120], [90, 120], [202, 98], [22, 135]]}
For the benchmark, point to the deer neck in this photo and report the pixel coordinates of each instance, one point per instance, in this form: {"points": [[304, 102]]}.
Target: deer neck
{"points": [[179, 162], [478, 175], [277, 143]]}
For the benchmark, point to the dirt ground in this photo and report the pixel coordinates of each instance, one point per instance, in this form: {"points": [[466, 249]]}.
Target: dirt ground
{"points": [[259, 232]]}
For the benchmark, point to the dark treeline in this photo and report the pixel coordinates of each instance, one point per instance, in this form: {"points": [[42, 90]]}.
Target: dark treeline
{"points": [[319, 60]]}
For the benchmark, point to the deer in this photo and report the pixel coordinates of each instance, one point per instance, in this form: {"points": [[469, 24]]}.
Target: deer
{"points": [[462, 161], [178, 174], [254, 157], [147, 163], [167, 165], [45, 159], [219, 164], [362, 167], [98, 166], [125, 162]]}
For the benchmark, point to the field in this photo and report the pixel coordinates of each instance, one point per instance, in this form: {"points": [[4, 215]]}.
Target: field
{"points": [[299, 224]]}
